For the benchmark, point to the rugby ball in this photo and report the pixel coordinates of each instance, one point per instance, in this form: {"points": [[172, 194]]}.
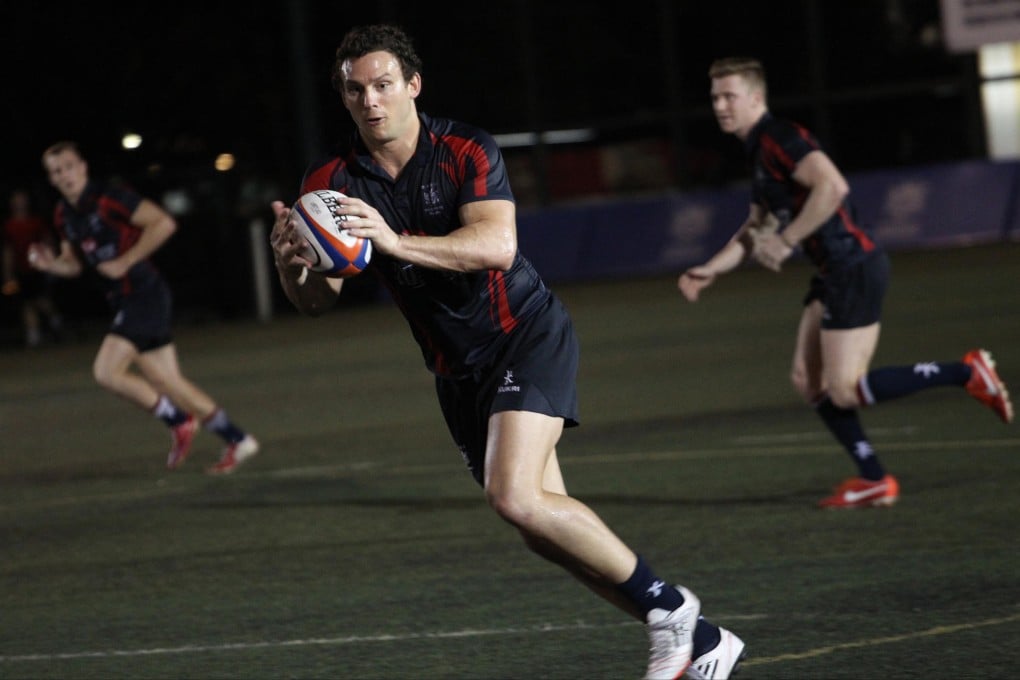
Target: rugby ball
{"points": [[328, 246]]}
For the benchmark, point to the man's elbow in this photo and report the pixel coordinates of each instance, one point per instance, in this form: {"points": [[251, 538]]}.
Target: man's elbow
{"points": [[505, 260], [169, 226], [505, 253], [840, 189]]}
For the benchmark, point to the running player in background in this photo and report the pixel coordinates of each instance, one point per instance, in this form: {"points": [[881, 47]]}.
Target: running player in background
{"points": [[30, 288], [434, 198], [799, 200], [114, 231]]}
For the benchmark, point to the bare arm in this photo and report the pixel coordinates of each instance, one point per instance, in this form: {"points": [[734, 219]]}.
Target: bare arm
{"points": [[156, 225], [66, 264], [309, 292], [487, 238], [826, 190], [736, 250]]}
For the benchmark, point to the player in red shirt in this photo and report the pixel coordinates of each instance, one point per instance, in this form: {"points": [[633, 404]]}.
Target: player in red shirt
{"points": [[31, 288]]}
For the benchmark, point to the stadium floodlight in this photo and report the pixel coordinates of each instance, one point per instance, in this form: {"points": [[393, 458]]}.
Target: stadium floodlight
{"points": [[131, 140], [224, 162]]}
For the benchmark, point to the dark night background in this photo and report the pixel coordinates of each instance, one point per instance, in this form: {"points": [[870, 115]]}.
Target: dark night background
{"points": [[871, 77]]}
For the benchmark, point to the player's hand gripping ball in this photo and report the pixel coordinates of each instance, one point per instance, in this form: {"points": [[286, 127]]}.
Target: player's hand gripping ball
{"points": [[328, 246]]}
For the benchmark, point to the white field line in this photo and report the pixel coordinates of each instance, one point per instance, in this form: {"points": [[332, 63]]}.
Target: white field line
{"points": [[517, 631], [886, 640], [334, 641]]}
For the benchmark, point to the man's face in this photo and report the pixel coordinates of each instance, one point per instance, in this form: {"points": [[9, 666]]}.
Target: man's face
{"points": [[67, 172], [380, 101], [736, 105]]}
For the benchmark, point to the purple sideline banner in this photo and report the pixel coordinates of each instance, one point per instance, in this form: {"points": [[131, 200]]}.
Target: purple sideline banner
{"points": [[937, 206], [916, 208]]}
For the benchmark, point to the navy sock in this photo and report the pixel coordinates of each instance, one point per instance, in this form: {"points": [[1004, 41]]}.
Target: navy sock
{"points": [[883, 384], [220, 424], [648, 591], [845, 426], [168, 412], [706, 637]]}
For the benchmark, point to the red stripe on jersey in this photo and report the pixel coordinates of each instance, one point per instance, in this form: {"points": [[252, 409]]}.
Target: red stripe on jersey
{"points": [[866, 243], [774, 151], [500, 303], [322, 177], [465, 151], [117, 215]]}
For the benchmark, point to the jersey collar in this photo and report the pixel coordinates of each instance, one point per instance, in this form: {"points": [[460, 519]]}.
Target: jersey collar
{"points": [[421, 156], [752, 138]]}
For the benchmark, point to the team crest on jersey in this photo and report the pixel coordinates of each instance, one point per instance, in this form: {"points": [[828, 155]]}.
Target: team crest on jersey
{"points": [[432, 199]]}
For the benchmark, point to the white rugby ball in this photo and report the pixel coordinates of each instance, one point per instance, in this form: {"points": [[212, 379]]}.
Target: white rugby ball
{"points": [[329, 247]]}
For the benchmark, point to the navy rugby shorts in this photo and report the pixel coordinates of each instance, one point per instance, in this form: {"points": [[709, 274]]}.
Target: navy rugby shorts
{"points": [[852, 295], [535, 371], [143, 317]]}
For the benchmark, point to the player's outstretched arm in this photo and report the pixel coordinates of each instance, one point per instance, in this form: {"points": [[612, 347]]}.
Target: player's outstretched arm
{"points": [[310, 292], [731, 255], [65, 264], [694, 280]]}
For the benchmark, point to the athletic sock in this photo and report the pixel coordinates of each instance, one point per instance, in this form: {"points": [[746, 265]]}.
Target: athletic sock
{"points": [[845, 426], [883, 384], [648, 591], [706, 637], [168, 412], [220, 424]]}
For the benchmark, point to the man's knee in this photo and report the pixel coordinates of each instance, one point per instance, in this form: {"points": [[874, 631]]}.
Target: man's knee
{"points": [[802, 383], [104, 376], [511, 505], [844, 395]]}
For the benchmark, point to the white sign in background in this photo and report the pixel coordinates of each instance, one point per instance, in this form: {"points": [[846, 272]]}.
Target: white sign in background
{"points": [[969, 24]]}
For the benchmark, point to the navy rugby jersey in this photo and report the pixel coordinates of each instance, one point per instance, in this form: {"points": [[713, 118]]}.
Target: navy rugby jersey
{"points": [[99, 227], [458, 319], [774, 148]]}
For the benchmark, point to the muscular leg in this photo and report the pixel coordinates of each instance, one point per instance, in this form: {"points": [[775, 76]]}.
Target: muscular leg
{"points": [[553, 483], [161, 368], [112, 370], [806, 370], [845, 358], [831, 361], [826, 367], [524, 486], [846, 355]]}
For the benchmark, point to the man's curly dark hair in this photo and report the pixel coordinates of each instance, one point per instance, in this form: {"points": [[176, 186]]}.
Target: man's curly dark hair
{"points": [[361, 40]]}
